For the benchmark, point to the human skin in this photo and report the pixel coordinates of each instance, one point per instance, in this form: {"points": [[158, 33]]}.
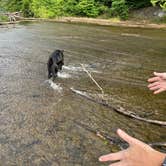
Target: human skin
{"points": [[157, 83], [137, 154]]}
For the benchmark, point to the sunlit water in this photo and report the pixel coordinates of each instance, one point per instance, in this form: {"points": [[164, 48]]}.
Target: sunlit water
{"points": [[44, 123]]}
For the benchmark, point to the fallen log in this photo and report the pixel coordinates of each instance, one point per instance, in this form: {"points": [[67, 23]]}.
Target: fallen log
{"points": [[115, 140], [118, 110]]}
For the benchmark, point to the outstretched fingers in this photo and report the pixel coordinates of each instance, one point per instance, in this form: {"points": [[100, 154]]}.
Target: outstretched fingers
{"points": [[153, 84], [127, 137], [162, 75], [112, 157], [155, 87], [154, 79], [159, 91]]}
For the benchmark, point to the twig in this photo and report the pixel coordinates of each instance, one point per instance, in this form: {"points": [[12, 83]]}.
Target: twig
{"points": [[91, 77]]}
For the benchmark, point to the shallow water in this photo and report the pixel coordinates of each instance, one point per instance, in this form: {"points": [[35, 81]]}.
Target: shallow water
{"points": [[44, 123]]}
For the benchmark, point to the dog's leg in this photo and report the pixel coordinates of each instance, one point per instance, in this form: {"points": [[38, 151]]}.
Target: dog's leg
{"points": [[49, 67], [49, 72], [54, 70], [60, 64]]}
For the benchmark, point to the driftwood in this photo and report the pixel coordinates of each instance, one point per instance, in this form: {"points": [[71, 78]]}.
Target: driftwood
{"points": [[13, 16], [118, 110], [115, 140]]}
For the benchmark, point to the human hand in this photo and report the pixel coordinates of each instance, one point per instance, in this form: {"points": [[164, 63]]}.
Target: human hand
{"points": [[161, 75], [138, 154], [157, 83]]}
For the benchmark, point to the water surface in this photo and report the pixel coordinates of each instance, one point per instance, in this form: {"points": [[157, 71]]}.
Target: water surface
{"points": [[42, 124]]}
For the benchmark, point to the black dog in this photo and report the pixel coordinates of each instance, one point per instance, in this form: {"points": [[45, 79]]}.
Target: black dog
{"points": [[55, 63]]}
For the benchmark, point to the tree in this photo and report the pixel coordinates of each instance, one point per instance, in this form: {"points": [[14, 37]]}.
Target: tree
{"points": [[47, 8], [107, 3], [26, 8], [87, 8], [135, 4], [12, 5], [161, 3], [119, 8], [70, 8]]}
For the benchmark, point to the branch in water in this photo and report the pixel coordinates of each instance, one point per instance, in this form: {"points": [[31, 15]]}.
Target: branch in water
{"points": [[114, 140], [91, 77], [118, 110]]}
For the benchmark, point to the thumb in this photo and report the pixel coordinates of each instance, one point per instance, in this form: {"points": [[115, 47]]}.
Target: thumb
{"points": [[127, 137], [159, 74]]}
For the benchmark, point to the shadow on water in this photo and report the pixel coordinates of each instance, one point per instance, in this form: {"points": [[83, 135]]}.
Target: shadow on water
{"points": [[42, 123]]}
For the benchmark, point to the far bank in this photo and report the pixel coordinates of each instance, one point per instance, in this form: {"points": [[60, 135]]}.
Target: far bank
{"points": [[96, 21]]}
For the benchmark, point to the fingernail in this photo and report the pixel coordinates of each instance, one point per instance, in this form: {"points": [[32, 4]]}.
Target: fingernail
{"points": [[119, 130], [100, 159]]}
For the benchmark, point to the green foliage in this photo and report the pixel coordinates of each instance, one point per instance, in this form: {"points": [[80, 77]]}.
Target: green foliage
{"points": [[119, 8], [47, 8], [26, 8], [107, 3], [135, 4], [162, 3], [69, 7], [3, 18], [87, 8], [12, 5], [103, 9]]}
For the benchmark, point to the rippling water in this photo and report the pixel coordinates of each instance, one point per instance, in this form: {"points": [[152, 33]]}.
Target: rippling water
{"points": [[44, 123]]}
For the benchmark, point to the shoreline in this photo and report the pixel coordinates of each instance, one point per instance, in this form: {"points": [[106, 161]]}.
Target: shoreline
{"points": [[95, 21]]}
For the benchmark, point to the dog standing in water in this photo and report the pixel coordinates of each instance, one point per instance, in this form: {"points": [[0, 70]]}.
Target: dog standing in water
{"points": [[55, 63]]}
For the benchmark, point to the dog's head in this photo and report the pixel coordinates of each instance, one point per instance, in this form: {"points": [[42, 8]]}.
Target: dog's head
{"points": [[60, 52]]}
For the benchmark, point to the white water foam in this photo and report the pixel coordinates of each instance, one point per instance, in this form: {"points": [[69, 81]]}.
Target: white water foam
{"points": [[72, 68], [68, 37], [135, 35], [54, 86], [79, 69], [63, 75], [79, 92], [130, 34]]}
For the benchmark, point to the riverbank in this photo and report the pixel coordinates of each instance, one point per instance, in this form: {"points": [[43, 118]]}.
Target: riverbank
{"points": [[108, 22], [97, 21]]}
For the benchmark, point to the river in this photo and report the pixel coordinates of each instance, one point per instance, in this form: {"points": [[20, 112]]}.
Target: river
{"points": [[46, 124]]}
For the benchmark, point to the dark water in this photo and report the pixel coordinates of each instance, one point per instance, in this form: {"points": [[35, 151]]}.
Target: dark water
{"points": [[42, 126]]}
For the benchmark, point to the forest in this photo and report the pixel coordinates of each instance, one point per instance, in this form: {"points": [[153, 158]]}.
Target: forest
{"points": [[81, 8]]}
